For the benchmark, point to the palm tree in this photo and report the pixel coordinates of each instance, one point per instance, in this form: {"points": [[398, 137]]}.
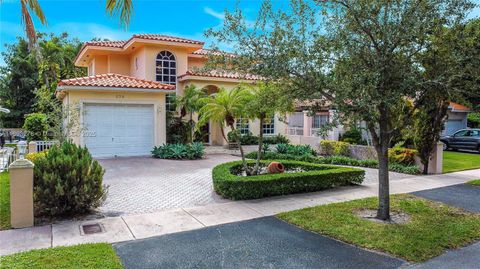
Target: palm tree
{"points": [[224, 107], [122, 7], [113, 7], [190, 103], [26, 7]]}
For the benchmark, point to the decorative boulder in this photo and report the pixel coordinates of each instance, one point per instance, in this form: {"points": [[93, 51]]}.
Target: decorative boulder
{"points": [[275, 168]]}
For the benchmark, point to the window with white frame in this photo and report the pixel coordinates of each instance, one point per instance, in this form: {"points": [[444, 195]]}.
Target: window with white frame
{"points": [[319, 121], [166, 68], [243, 126], [269, 126]]}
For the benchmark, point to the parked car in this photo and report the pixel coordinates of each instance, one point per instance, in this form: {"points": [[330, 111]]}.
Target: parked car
{"points": [[468, 139]]}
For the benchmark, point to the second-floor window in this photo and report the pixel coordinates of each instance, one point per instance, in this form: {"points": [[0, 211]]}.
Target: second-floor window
{"points": [[166, 68]]}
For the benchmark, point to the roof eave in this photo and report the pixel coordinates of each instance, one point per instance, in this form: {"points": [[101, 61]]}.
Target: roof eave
{"points": [[66, 88], [212, 78]]}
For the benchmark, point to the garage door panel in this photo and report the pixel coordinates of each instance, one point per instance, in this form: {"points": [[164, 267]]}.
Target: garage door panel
{"points": [[120, 129]]}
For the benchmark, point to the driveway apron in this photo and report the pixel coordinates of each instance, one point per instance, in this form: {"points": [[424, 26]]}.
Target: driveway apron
{"points": [[259, 243]]}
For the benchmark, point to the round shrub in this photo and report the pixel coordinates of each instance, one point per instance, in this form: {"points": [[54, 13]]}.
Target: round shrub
{"points": [[36, 126], [67, 180], [314, 177]]}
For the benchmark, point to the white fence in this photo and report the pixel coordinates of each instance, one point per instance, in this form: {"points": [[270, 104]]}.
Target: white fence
{"points": [[37, 146]]}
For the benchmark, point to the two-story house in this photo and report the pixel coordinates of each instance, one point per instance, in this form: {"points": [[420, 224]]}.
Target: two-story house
{"points": [[124, 99]]}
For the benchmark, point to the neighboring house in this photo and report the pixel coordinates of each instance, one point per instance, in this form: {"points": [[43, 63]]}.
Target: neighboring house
{"points": [[457, 118], [123, 101]]}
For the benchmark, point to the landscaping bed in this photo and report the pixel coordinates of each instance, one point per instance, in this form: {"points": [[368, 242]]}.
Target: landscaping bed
{"points": [[4, 201], [431, 229], [315, 177], [459, 161], [338, 160], [81, 256]]}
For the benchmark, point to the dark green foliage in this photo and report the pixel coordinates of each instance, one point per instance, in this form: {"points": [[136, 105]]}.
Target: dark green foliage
{"points": [[282, 148], [265, 147], [36, 126], [297, 150], [337, 160], [353, 136], [474, 120], [276, 139], [315, 177], [250, 139], [177, 130], [67, 181], [179, 151]]}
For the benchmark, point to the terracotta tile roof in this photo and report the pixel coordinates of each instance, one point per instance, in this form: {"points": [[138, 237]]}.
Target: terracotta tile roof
{"points": [[221, 74], [458, 107], [115, 81], [167, 38], [212, 52], [121, 43], [110, 44]]}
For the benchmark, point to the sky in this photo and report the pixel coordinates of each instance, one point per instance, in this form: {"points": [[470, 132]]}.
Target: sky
{"points": [[86, 19]]}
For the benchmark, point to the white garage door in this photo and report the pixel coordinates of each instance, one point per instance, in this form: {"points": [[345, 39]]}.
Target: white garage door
{"points": [[118, 129], [451, 126]]}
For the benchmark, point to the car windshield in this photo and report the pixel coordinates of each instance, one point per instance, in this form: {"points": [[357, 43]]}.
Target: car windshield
{"points": [[461, 133]]}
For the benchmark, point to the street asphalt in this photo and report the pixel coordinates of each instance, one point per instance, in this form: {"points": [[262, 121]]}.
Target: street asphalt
{"points": [[463, 258], [260, 243], [463, 195]]}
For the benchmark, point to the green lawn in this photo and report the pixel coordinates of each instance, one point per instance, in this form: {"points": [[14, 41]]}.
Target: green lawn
{"points": [[475, 182], [433, 227], [87, 256], [4, 201], [459, 161]]}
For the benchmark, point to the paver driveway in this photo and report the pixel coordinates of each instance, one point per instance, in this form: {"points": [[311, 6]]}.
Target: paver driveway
{"points": [[144, 184]]}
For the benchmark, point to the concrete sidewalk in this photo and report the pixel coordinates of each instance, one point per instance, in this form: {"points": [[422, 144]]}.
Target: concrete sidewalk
{"points": [[131, 227]]}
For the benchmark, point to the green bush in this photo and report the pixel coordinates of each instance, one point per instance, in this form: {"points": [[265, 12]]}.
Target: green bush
{"points": [[276, 139], [316, 177], [334, 148], [250, 139], [297, 150], [402, 156], [178, 151], [353, 136], [67, 180], [337, 160], [36, 126]]}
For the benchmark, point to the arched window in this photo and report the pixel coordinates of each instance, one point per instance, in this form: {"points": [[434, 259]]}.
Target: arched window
{"points": [[166, 68]]}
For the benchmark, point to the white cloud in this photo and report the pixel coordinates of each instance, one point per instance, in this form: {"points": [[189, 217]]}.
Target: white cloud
{"points": [[218, 15], [87, 31]]}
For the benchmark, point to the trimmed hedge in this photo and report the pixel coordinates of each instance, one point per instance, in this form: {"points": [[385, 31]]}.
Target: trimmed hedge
{"points": [[338, 160], [316, 177]]}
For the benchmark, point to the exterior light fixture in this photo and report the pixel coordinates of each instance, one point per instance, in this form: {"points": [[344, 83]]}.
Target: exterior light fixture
{"points": [[22, 149]]}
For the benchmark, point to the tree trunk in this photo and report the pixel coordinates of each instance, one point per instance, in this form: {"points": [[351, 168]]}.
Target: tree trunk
{"points": [[425, 163], [244, 162], [381, 141], [383, 182], [192, 131], [260, 145]]}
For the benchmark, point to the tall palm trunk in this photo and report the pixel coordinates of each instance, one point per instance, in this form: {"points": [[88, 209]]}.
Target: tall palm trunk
{"points": [[244, 162], [260, 147]]}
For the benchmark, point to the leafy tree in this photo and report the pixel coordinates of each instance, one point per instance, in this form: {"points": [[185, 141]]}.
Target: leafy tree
{"points": [[189, 103], [428, 126], [362, 56], [18, 80], [36, 126], [267, 100], [223, 108]]}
